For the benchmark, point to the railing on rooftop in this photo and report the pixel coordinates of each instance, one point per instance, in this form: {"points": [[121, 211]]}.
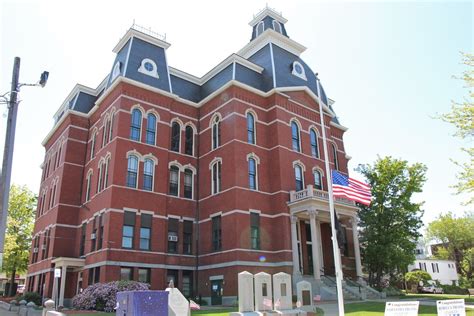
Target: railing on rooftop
{"points": [[310, 193], [148, 31]]}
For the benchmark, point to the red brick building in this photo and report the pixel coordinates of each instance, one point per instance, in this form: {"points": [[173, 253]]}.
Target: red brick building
{"points": [[157, 174]]}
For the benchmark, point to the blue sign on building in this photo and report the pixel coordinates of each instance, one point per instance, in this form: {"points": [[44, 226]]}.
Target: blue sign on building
{"points": [[142, 303]]}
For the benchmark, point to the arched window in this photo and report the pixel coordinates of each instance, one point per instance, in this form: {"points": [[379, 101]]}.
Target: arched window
{"points": [[175, 136], [111, 125], [150, 129], [318, 182], [334, 155], [88, 188], [216, 177], [277, 26], [216, 133], [250, 128], [132, 171], [189, 140], [314, 144], [188, 183], [148, 168], [135, 128], [174, 180], [295, 136], [252, 174], [299, 178], [99, 179], [260, 28], [106, 177], [94, 136]]}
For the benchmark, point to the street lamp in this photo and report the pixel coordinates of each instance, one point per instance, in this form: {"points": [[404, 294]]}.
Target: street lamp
{"points": [[10, 98]]}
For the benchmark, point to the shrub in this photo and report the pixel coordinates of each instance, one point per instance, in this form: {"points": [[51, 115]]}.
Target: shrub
{"points": [[453, 289], [102, 296], [392, 291], [31, 297]]}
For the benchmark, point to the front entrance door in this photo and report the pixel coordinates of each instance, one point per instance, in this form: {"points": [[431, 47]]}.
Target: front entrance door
{"points": [[326, 242], [216, 292]]}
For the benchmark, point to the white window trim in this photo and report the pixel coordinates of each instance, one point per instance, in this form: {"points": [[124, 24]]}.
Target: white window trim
{"points": [[112, 119], [303, 170], [193, 172], [139, 158], [142, 111], [212, 123], [280, 28], [257, 162], [301, 75], [250, 111], [313, 128], [148, 113], [180, 167], [154, 163], [93, 141], [88, 186], [211, 167], [180, 124], [299, 134], [321, 174], [257, 33], [117, 70], [152, 73]]}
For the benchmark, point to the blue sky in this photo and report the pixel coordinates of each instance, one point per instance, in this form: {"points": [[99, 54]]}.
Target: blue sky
{"points": [[388, 65]]}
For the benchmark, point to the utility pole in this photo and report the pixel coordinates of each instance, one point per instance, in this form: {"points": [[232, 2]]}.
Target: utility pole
{"points": [[8, 155]]}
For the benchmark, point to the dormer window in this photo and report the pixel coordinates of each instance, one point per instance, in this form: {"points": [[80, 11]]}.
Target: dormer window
{"points": [[116, 71], [277, 26], [148, 67], [298, 70], [260, 28]]}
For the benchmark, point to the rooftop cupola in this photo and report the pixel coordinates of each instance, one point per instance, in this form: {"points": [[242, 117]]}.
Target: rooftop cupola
{"points": [[268, 18]]}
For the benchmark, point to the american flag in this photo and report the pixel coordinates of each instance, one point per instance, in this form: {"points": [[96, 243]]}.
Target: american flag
{"points": [[193, 305], [354, 190]]}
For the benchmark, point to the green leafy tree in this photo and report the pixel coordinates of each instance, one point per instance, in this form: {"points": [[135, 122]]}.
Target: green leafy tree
{"points": [[462, 117], [413, 278], [390, 225], [457, 238], [20, 221]]}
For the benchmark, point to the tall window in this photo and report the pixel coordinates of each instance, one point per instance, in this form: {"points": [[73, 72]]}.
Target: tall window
{"points": [[216, 233], [100, 237], [83, 240], [254, 231], [105, 131], [126, 274], [128, 229], [250, 128], [295, 136], [93, 145], [175, 136], [88, 187], [148, 168], [314, 144], [276, 26], [216, 133], [145, 231], [132, 171], [174, 180], [94, 233], [260, 27], [189, 140], [252, 174], [216, 177], [111, 125], [173, 224], [318, 183], [106, 176], [151, 129], [187, 237], [144, 275], [334, 154], [99, 179], [299, 178], [135, 128], [188, 184]]}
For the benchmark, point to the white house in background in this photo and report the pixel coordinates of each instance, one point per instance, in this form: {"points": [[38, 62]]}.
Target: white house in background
{"points": [[443, 271]]}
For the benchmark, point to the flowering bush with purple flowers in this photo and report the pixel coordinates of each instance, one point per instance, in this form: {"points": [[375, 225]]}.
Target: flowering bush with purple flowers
{"points": [[102, 296]]}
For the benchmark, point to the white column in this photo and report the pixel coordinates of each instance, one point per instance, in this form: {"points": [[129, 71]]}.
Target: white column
{"points": [[63, 285], [320, 246], [294, 246], [355, 238], [315, 243]]}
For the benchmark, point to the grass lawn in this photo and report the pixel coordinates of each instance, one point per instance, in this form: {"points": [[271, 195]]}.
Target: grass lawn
{"points": [[438, 297], [378, 308]]}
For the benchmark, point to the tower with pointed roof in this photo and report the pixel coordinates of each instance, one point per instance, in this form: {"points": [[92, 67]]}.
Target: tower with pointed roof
{"points": [[157, 175]]}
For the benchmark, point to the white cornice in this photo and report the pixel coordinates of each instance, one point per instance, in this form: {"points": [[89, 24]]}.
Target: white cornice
{"points": [[270, 36], [270, 12], [178, 98], [338, 126], [214, 71], [145, 37]]}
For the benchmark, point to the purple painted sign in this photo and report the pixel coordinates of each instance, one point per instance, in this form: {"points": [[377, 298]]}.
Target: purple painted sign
{"points": [[142, 303]]}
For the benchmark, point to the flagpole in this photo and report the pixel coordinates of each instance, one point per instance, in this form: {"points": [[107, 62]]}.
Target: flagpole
{"points": [[335, 248]]}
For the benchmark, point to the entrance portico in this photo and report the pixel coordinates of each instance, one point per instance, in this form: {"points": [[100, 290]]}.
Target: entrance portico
{"points": [[311, 233], [64, 263]]}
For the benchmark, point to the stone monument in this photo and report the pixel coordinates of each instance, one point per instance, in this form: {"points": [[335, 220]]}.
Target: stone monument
{"points": [[263, 291], [305, 295], [282, 291], [245, 280]]}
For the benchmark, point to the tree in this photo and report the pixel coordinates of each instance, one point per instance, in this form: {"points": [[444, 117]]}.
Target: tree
{"points": [[20, 221], [390, 225], [457, 238], [462, 117], [414, 277]]}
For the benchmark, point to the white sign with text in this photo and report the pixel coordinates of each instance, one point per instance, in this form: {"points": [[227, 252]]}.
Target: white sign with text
{"points": [[451, 307], [409, 308]]}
